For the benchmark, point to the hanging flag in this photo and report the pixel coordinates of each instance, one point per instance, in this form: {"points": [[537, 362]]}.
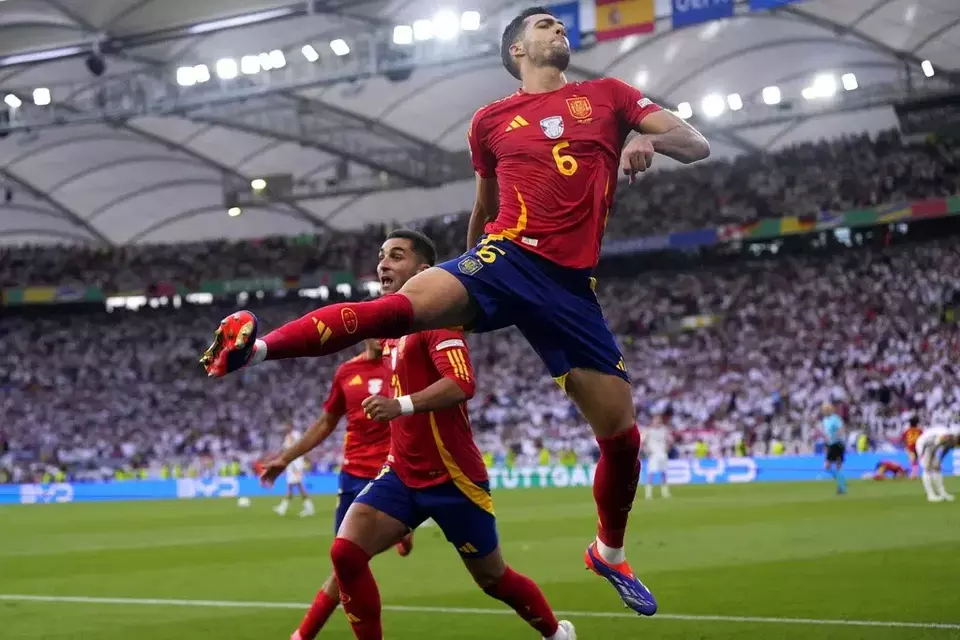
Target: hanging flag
{"points": [[569, 14], [688, 12], [760, 5], [620, 18]]}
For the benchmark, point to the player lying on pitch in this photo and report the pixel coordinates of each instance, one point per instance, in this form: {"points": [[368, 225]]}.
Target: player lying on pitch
{"points": [[932, 447], [365, 449], [885, 467], [547, 159]]}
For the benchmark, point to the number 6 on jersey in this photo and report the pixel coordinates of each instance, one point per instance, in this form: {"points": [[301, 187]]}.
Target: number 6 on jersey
{"points": [[567, 165]]}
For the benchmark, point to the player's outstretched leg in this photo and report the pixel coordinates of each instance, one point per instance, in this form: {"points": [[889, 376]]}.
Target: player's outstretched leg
{"points": [[324, 604], [518, 592], [607, 404]]}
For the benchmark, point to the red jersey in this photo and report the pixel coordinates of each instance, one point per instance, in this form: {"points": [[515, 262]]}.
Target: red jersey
{"points": [[428, 449], [367, 442], [556, 157], [909, 438]]}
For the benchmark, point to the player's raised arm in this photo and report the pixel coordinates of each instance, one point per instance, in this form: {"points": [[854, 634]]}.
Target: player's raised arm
{"points": [[487, 201], [673, 137]]}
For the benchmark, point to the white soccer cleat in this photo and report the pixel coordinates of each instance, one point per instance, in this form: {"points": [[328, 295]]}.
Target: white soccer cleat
{"points": [[306, 513], [934, 498], [947, 496], [280, 510], [564, 632]]}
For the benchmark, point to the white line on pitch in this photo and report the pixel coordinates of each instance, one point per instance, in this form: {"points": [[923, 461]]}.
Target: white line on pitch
{"points": [[473, 611]]}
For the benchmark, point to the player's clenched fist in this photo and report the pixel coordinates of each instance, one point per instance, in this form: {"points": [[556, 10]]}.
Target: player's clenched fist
{"points": [[637, 156], [381, 408], [233, 344], [270, 469]]}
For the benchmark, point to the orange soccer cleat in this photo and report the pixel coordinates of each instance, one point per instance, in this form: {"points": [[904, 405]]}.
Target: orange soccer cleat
{"points": [[233, 344]]}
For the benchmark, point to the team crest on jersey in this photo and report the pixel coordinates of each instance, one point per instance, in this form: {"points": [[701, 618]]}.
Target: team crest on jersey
{"points": [[552, 127], [580, 107], [349, 317], [374, 386], [470, 265]]}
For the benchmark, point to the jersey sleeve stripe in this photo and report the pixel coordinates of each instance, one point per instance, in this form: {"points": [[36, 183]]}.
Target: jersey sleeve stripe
{"points": [[458, 364], [463, 363], [473, 492]]}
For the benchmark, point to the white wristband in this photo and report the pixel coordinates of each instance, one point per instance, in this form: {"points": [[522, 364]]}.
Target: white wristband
{"points": [[259, 353], [406, 405]]}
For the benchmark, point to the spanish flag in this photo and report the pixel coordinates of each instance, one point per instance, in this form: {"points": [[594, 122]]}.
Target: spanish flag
{"points": [[620, 18]]}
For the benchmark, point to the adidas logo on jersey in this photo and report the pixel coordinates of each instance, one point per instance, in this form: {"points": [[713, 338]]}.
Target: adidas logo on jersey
{"points": [[357, 380], [516, 123]]}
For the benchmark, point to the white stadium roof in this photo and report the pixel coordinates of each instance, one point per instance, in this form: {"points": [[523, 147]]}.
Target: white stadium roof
{"points": [[159, 177]]}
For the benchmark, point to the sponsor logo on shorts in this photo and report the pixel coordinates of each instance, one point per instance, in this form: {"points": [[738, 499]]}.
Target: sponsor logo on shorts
{"points": [[469, 265], [349, 318]]}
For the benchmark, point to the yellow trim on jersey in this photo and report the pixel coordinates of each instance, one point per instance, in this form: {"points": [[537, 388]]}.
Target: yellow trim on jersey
{"points": [[562, 381], [476, 494], [514, 232], [459, 364]]}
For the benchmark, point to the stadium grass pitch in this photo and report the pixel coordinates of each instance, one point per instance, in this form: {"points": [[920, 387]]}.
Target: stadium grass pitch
{"points": [[785, 561]]}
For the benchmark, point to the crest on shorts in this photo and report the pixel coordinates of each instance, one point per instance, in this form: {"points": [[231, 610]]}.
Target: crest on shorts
{"points": [[469, 265], [580, 107], [349, 318], [374, 386], [552, 127]]}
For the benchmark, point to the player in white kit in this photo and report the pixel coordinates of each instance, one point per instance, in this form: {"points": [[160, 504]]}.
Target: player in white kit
{"points": [[657, 440], [294, 475], [932, 447]]}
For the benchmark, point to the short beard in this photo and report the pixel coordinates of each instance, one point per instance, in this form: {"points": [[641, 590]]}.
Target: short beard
{"points": [[554, 57]]}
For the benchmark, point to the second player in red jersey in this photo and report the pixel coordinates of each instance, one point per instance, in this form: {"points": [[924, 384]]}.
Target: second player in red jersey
{"points": [[546, 162], [555, 158], [909, 440]]}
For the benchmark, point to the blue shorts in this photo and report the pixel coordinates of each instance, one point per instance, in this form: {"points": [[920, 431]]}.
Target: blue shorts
{"points": [[468, 526], [554, 307], [350, 487]]}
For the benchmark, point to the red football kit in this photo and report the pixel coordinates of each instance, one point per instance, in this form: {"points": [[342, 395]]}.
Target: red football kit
{"points": [[427, 449], [556, 159], [367, 442], [909, 439]]}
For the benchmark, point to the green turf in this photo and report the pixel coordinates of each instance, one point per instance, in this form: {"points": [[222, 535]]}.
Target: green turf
{"points": [[881, 553]]}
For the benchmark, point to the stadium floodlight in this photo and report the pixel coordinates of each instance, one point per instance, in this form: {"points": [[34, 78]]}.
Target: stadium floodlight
{"points": [[233, 212], [684, 110], [258, 184], [266, 62], [403, 34], [340, 47], [446, 25], [186, 77], [642, 78], [277, 58], [809, 93], [713, 105], [41, 96], [202, 73], [849, 81], [310, 53], [825, 85], [227, 69], [249, 65], [771, 95], [927, 67], [735, 102], [422, 30], [470, 20], [13, 101]]}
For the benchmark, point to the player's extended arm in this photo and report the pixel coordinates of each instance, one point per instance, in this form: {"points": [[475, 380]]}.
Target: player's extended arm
{"points": [[673, 137], [442, 394], [485, 209], [315, 435]]}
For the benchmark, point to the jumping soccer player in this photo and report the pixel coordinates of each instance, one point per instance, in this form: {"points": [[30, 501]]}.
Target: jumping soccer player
{"points": [[932, 447], [434, 469], [546, 160], [656, 443], [833, 432], [365, 448], [295, 470], [909, 440]]}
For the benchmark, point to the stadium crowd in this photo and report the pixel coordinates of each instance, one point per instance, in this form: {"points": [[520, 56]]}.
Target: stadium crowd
{"points": [[764, 344], [802, 180]]}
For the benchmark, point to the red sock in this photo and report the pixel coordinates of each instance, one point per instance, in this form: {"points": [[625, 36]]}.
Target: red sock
{"points": [[335, 327], [358, 590], [524, 596], [615, 484], [321, 609]]}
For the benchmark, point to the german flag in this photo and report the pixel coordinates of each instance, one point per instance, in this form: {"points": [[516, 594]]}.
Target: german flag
{"points": [[621, 18]]}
